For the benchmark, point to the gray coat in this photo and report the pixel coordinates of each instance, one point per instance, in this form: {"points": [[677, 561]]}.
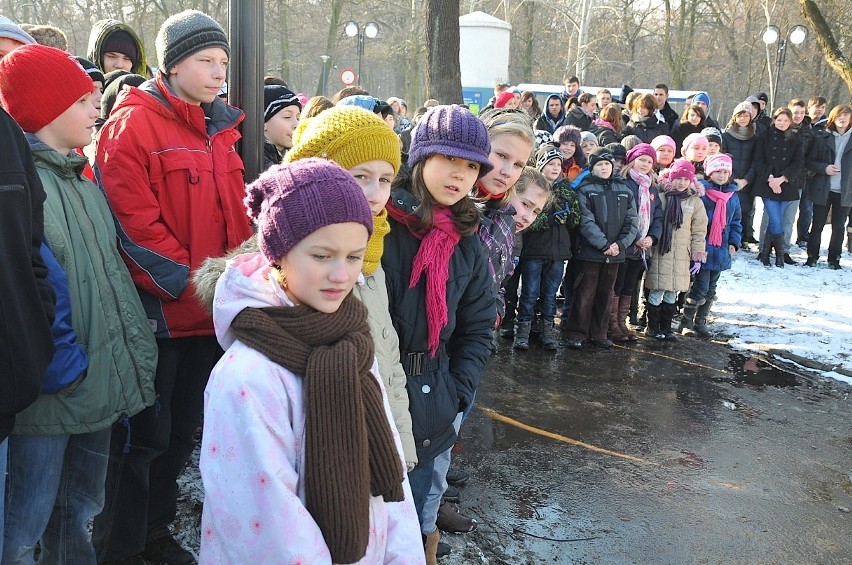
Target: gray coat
{"points": [[823, 153]]}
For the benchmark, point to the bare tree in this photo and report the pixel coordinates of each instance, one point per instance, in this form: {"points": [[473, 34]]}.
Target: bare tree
{"points": [[443, 69], [830, 49]]}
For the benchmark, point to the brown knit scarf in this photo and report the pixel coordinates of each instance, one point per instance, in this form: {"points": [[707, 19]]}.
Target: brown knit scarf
{"points": [[349, 451]]}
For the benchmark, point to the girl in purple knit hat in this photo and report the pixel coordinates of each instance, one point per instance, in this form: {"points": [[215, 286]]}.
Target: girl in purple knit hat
{"points": [[300, 459], [440, 292]]}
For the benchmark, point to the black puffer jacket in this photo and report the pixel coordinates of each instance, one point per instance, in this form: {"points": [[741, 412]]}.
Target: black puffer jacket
{"points": [[645, 128], [607, 216], [27, 304], [823, 153], [681, 131], [655, 229], [742, 154], [806, 135], [577, 117], [605, 135], [777, 153], [446, 384]]}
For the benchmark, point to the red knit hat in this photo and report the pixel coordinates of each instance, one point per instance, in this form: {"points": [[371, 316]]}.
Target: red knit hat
{"points": [[503, 98], [38, 83]]}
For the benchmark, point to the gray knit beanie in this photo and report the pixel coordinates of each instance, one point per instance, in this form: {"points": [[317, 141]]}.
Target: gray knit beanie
{"points": [[186, 33]]}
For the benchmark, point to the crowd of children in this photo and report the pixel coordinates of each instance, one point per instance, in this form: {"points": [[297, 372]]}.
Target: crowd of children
{"points": [[333, 319]]}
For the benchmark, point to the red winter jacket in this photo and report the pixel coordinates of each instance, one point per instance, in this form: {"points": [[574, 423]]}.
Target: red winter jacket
{"points": [[176, 188]]}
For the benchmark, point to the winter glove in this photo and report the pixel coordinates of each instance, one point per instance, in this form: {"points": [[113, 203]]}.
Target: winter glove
{"points": [[696, 266]]}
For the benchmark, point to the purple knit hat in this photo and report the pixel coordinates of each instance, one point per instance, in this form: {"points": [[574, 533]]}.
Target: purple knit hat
{"points": [[452, 131], [290, 202], [681, 168], [641, 149]]}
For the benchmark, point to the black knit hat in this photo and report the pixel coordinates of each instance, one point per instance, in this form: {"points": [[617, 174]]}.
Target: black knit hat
{"points": [[120, 41], [91, 69], [112, 91], [276, 98], [186, 33], [601, 154]]}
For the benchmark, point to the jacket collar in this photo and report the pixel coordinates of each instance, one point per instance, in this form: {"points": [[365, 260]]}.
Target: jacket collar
{"points": [[67, 166]]}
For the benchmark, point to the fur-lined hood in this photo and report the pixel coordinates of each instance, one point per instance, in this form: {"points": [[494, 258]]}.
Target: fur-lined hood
{"points": [[204, 279]]}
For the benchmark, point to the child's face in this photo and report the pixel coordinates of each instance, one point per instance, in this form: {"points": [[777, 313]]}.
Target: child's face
{"points": [[512, 103], [680, 184], [697, 152], [567, 148], [279, 129], [618, 163], [449, 179], [720, 177], [665, 155], [528, 205], [714, 148], [602, 169], [321, 270], [643, 164], [72, 128], [509, 155], [198, 78], [552, 170], [375, 178], [693, 117], [588, 146]]}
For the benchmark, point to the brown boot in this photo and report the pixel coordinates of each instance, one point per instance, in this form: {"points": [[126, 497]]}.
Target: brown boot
{"points": [[614, 332], [452, 521], [624, 305], [430, 547]]}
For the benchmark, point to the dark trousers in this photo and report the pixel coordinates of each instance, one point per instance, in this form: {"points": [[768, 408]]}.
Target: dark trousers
{"points": [[838, 227], [628, 277], [806, 214], [747, 207], [511, 296], [147, 458], [591, 300]]}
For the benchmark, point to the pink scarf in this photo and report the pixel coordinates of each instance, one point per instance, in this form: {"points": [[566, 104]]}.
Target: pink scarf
{"points": [[433, 259], [604, 123], [720, 215], [644, 204]]}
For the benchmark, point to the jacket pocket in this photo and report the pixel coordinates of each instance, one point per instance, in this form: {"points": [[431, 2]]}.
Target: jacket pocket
{"points": [[179, 167]]}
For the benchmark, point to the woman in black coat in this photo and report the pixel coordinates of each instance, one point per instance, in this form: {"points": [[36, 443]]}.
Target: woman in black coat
{"points": [[693, 120], [778, 158], [644, 123], [830, 159], [738, 141]]}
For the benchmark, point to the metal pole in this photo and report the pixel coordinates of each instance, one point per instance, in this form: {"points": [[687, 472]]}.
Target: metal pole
{"points": [[246, 85], [360, 52], [779, 62], [324, 77]]}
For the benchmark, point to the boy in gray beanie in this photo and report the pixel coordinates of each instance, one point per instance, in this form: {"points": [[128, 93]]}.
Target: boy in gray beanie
{"points": [[175, 185], [12, 36]]}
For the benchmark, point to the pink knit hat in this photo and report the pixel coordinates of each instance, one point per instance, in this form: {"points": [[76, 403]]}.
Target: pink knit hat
{"points": [[661, 140], [719, 162], [642, 149], [692, 140], [681, 168]]}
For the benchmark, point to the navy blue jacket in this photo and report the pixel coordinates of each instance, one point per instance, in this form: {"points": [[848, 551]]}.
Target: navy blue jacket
{"points": [[719, 258], [607, 216]]}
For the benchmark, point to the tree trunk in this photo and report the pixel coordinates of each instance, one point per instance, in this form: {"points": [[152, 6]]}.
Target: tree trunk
{"points": [[330, 42], [830, 50], [443, 70]]}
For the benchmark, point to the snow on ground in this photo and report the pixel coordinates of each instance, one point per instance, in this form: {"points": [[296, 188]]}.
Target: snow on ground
{"points": [[804, 311]]}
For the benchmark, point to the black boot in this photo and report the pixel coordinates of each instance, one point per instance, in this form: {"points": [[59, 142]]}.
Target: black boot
{"points": [[778, 245], [522, 335], [765, 250], [687, 320], [701, 319], [653, 327], [667, 314]]}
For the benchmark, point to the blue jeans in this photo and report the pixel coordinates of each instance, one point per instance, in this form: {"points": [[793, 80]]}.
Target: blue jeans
{"points": [[437, 485], [540, 279], [774, 210], [788, 220], [3, 458], [704, 286], [420, 480], [55, 487]]}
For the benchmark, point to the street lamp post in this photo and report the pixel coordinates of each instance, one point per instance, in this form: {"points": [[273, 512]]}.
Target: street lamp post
{"points": [[771, 34], [324, 78], [370, 30]]}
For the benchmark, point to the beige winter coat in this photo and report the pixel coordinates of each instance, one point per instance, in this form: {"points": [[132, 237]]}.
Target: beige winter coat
{"points": [[671, 271], [373, 294]]}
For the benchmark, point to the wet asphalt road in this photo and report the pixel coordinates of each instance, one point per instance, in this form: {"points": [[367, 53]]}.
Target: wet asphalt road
{"points": [[740, 461]]}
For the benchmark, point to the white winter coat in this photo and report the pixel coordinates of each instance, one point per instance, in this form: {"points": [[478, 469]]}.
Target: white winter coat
{"points": [[253, 451]]}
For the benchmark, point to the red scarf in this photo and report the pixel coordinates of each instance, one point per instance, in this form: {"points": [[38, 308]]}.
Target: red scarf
{"points": [[433, 258], [482, 194], [720, 215]]}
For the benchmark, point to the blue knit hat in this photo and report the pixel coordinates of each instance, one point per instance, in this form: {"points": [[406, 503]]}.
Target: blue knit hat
{"points": [[452, 131], [702, 97]]}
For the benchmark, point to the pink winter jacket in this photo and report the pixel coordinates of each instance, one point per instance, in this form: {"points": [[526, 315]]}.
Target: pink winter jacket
{"points": [[254, 449]]}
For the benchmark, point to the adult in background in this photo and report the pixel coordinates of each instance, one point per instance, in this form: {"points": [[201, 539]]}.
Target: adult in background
{"points": [[27, 302], [661, 95], [644, 123], [583, 113], [554, 114], [778, 159], [830, 189], [692, 121], [738, 141]]}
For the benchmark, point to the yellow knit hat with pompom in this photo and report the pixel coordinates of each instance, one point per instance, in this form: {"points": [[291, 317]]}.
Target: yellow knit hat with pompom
{"points": [[347, 135]]}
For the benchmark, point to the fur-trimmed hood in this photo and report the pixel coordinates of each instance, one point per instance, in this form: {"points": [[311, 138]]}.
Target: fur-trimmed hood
{"points": [[204, 278]]}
